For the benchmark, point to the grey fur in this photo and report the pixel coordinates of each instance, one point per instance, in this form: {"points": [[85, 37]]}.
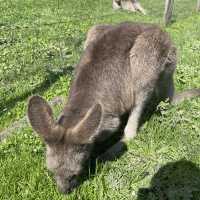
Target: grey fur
{"points": [[121, 69]]}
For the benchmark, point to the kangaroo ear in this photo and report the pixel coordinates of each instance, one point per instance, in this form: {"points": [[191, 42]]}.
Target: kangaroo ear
{"points": [[41, 119], [86, 130]]}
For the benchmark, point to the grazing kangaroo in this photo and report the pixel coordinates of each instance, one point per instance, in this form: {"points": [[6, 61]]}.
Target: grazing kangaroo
{"points": [[131, 5], [121, 69]]}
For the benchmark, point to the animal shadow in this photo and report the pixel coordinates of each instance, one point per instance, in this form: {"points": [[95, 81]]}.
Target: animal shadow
{"points": [[50, 79], [175, 181]]}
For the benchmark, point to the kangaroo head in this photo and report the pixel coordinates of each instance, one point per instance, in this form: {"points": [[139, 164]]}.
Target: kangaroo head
{"points": [[68, 149]]}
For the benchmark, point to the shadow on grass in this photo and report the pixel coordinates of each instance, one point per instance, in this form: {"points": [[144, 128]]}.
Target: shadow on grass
{"points": [[175, 181], [50, 79]]}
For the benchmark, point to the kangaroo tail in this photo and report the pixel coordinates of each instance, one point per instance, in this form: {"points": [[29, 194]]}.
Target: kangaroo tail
{"points": [[187, 94]]}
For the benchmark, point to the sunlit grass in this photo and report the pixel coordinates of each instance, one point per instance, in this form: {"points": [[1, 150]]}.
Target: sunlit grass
{"points": [[38, 39]]}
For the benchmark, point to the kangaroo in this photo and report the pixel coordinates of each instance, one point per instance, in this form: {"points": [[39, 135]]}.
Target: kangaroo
{"points": [[120, 70], [131, 5]]}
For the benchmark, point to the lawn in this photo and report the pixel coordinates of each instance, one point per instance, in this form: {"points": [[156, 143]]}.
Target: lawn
{"points": [[40, 43]]}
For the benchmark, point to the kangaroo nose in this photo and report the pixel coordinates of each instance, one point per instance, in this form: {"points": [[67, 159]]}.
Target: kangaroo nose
{"points": [[67, 185]]}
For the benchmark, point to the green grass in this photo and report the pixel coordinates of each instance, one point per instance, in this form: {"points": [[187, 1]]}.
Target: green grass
{"points": [[39, 40]]}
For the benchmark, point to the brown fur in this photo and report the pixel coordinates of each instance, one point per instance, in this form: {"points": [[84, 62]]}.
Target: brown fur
{"points": [[122, 67]]}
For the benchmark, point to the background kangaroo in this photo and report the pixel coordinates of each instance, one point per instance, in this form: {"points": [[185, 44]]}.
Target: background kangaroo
{"points": [[122, 69], [131, 5]]}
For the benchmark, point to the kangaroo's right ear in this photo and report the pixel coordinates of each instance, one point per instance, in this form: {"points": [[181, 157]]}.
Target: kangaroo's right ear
{"points": [[87, 129], [41, 119]]}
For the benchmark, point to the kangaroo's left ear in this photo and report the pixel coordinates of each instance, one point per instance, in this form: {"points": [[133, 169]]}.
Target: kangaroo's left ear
{"points": [[86, 130]]}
